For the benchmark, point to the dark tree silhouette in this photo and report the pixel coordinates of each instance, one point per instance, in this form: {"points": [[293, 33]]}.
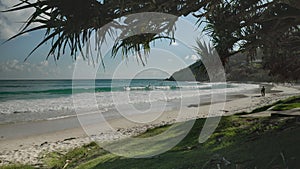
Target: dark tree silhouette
{"points": [[246, 26]]}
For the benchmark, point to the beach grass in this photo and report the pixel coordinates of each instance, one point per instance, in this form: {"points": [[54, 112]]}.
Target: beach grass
{"points": [[244, 142]]}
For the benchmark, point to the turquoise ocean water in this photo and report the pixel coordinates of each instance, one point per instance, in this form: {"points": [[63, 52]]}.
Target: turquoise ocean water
{"points": [[27, 100]]}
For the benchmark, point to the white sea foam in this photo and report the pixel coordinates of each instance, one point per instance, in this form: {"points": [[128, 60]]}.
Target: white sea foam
{"points": [[54, 108]]}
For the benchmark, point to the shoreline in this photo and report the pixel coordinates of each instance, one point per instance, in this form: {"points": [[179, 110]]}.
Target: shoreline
{"points": [[30, 149]]}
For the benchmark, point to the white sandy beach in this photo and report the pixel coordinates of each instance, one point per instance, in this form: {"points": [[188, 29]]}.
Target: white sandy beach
{"points": [[26, 143]]}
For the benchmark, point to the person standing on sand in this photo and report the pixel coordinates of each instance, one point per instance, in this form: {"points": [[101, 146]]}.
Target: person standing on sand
{"points": [[263, 91]]}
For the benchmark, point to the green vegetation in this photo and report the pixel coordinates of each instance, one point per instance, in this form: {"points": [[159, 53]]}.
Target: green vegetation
{"points": [[74, 157], [288, 104], [282, 107], [244, 142]]}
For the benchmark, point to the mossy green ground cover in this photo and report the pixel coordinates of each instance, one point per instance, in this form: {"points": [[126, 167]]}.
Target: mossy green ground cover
{"points": [[271, 142]]}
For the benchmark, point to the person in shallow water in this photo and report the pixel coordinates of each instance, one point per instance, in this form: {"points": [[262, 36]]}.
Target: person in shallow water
{"points": [[263, 91]]}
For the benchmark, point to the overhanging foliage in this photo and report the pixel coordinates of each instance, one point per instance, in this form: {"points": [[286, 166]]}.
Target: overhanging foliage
{"points": [[234, 25]]}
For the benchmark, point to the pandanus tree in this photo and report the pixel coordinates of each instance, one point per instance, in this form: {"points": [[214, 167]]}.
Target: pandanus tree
{"points": [[246, 26], [72, 23], [234, 25]]}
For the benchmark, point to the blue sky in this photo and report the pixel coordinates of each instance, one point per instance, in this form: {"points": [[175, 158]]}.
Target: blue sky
{"points": [[163, 60]]}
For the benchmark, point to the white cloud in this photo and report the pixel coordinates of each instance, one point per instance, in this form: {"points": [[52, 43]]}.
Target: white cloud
{"points": [[44, 63], [11, 22], [10, 66], [18, 69], [192, 57]]}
